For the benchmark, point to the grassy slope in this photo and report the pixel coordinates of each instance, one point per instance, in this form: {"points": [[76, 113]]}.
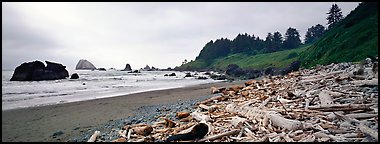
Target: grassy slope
{"points": [[278, 59]]}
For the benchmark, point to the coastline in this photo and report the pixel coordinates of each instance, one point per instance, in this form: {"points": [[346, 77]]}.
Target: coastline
{"points": [[72, 119]]}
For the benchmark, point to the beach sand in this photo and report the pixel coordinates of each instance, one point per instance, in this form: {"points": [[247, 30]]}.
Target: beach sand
{"points": [[40, 123]]}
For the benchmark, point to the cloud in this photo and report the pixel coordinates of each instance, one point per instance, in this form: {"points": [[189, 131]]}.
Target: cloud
{"points": [[157, 34]]}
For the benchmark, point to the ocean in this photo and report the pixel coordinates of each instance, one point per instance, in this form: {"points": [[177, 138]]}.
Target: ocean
{"points": [[90, 85]]}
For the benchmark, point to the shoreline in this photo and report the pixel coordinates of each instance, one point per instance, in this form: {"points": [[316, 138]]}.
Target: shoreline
{"points": [[73, 118]]}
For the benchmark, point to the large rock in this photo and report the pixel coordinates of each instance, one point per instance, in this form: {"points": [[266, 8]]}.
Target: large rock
{"points": [[36, 71], [74, 76], [234, 70], [84, 65], [127, 68], [294, 66], [147, 68]]}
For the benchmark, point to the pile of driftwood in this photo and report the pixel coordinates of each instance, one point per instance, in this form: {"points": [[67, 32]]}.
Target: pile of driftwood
{"points": [[337, 102]]}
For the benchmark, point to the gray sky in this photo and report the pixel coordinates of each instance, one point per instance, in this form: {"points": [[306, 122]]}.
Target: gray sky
{"points": [[155, 34]]}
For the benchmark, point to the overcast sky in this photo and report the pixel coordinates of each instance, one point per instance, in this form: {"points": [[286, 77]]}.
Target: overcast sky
{"points": [[155, 34]]}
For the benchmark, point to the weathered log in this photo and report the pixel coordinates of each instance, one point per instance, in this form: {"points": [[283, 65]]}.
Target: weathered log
{"points": [[238, 121], [325, 99], [213, 137], [143, 130], [373, 82], [280, 121], [362, 115], [182, 114], [208, 108], [200, 117], [369, 131], [129, 134], [253, 113], [94, 136], [341, 107]]}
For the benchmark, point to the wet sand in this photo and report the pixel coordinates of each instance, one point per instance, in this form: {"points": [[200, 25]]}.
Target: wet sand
{"points": [[40, 123]]}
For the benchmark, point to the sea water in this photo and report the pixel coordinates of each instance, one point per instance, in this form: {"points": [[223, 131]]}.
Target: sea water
{"points": [[90, 85]]}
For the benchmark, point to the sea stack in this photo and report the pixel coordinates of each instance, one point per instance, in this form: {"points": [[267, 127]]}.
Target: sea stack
{"points": [[36, 71], [127, 68], [84, 65], [147, 68]]}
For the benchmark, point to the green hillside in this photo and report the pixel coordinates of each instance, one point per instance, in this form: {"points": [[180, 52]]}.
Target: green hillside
{"points": [[351, 40], [278, 59]]}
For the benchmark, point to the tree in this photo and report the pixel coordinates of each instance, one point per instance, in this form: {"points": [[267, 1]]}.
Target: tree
{"points": [[184, 62], [292, 38], [309, 38], [242, 43], [269, 43], [334, 15], [277, 41], [314, 33]]}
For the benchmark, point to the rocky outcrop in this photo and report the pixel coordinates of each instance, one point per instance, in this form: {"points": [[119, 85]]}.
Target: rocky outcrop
{"points": [[74, 76], [127, 68], [235, 70], [294, 66], [188, 75], [101, 69], [172, 74], [85, 65], [147, 68], [36, 71]]}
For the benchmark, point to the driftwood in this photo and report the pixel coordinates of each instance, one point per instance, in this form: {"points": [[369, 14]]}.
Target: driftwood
{"points": [[200, 117], [252, 113], [369, 131], [182, 114], [143, 130], [325, 99], [361, 115], [94, 136], [373, 82], [341, 107], [237, 121], [208, 108], [233, 132]]}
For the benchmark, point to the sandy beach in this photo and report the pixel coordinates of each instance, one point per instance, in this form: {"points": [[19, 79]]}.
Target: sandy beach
{"points": [[40, 123]]}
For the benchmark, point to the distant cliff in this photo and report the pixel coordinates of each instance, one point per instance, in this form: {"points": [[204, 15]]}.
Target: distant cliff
{"points": [[85, 65]]}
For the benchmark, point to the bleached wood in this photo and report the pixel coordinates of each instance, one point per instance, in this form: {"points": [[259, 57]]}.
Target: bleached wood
{"points": [[94, 136], [369, 131], [200, 117], [373, 82], [325, 99], [213, 137]]}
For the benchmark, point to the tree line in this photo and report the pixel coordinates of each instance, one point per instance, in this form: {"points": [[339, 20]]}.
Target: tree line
{"points": [[251, 44]]}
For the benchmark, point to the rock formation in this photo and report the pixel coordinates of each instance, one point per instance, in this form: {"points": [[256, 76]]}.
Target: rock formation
{"points": [[74, 76], [85, 65], [36, 71], [147, 68], [127, 68]]}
